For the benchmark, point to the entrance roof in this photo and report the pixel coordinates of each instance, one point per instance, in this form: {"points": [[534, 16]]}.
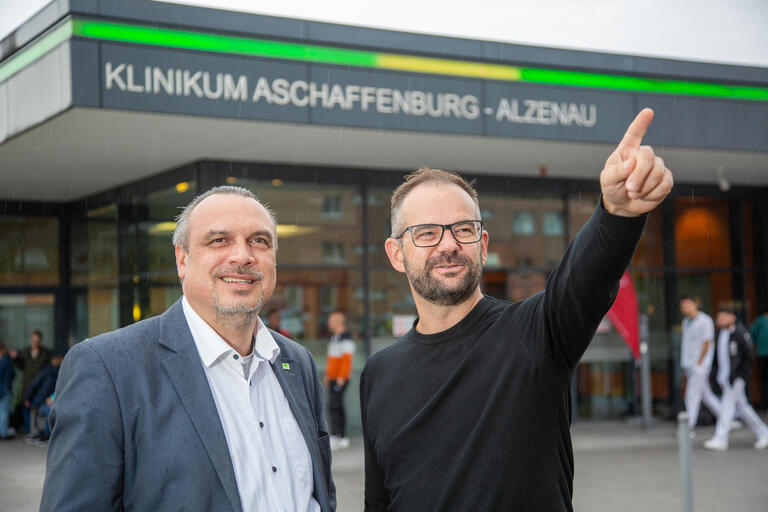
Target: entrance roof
{"points": [[95, 97]]}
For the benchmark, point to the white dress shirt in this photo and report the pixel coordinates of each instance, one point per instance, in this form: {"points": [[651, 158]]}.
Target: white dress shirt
{"points": [[270, 457]]}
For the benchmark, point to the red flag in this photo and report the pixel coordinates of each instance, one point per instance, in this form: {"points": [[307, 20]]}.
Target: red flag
{"points": [[623, 314]]}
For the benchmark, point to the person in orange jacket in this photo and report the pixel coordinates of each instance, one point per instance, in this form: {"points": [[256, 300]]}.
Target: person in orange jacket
{"points": [[338, 369]]}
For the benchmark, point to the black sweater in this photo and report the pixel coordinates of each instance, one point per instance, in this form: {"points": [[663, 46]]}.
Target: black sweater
{"points": [[477, 417]]}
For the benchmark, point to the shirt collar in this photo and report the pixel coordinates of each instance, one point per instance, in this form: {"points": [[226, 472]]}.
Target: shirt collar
{"points": [[213, 348]]}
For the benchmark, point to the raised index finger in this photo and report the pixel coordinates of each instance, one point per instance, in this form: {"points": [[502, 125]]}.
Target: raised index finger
{"points": [[634, 136]]}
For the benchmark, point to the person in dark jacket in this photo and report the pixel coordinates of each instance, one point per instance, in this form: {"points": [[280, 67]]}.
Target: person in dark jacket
{"points": [[41, 388], [7, 373], [734, 360], [30, 361]]}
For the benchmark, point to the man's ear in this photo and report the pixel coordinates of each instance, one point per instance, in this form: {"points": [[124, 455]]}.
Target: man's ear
{"points": [[395, 254], [484, 247], [181, 261]]}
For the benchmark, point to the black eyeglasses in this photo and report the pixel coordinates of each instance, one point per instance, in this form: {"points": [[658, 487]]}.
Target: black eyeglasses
{"points": [[429, 235]]}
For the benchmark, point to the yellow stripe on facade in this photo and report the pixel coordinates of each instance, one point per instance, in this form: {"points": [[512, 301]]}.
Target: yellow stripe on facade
{"points": [[448, 67]]}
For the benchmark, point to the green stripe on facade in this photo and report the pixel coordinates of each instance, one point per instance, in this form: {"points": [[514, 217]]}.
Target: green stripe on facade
{"points": [[218, 43]]}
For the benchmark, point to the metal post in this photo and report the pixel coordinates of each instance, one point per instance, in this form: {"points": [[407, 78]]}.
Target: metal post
{"points": [[684, 444], [645, 373]]}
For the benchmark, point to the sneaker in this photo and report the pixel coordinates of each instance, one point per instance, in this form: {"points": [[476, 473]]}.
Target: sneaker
{"points": [[716, 445], [736, 425], [343, 443], [42, 442], [761, 443]]}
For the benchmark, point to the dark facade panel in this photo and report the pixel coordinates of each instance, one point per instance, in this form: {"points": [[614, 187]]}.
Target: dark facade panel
{"points": [[559, 113], [700, 70], [86, 71], [704, 123]]}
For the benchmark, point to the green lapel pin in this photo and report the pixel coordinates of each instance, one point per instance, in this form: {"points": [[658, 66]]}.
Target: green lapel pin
{"points": [[286, 366]]}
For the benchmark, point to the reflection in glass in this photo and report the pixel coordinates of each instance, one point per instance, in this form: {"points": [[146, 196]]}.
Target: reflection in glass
{"points": [[29, 251]]}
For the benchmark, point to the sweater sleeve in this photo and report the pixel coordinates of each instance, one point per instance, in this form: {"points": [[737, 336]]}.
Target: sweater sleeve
{"points": [[582, 288], [376, 495]]}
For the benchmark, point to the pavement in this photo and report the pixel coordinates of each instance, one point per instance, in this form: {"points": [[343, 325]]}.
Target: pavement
{"points": [[619, 466]]}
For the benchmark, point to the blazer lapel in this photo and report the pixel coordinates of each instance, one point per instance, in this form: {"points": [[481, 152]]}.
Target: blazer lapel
{"points": [[187, 374]]}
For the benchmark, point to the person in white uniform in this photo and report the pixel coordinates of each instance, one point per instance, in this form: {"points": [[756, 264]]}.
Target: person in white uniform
{"points": [[734, 361], [697, 352]]}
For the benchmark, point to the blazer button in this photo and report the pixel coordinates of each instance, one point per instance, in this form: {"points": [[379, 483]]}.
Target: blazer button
{"points": [[261, 424], [274, 469]]}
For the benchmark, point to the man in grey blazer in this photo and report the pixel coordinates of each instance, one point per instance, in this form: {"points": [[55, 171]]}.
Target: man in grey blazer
{"points": [[202, 407]]}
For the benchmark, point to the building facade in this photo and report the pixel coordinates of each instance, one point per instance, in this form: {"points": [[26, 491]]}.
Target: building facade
{"points": [[115, 114]]}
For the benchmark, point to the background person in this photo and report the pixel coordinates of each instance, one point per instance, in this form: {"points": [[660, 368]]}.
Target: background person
{"points": [[30, 361], [39, 391], [7, 374], [273, 320], [734, 360], [338, 369], [696, 355], [759, 334]]}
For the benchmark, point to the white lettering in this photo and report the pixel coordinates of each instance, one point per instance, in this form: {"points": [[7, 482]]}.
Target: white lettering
{"points": [[132, 87], [352, 94], [162, 80], [384, 101], [213, 95], [114, 76], [280, 92], [295, 86], [335, 98], [190, 84], [235, 91], [262, 91]]}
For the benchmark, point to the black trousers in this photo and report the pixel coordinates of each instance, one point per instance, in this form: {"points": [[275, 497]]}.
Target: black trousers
{"points": [[336, 408], [763, 361]]}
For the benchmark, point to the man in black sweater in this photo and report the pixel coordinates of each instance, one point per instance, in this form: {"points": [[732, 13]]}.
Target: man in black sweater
{"points": [[471, 409]]}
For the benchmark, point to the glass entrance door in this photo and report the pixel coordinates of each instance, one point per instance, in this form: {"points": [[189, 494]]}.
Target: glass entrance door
{"points": [[22, 314]]}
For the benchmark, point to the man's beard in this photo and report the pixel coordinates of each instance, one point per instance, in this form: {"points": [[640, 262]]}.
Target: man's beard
{"points": [[435, 291], [238, 315]]}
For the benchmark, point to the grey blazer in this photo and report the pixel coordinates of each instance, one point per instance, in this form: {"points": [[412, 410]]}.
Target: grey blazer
{"points": [[134, 425]]}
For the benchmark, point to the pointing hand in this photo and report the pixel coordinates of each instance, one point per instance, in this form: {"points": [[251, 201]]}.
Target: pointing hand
{"points": [[634, 180]]}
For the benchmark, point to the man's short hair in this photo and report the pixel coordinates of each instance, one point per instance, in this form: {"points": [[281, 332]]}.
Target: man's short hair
{"points": [[181, 233], [727, 309], [423, 176], [39, 334], [687, 297]]}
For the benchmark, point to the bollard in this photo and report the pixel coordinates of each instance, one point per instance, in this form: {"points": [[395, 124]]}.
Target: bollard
{"points": [[684, 445]]}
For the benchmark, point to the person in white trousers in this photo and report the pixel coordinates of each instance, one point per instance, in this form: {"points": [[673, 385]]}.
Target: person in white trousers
{"points": [[696, 354], [735, 354]]}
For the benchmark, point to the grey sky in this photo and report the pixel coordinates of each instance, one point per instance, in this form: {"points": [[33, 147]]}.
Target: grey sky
{"points": [[731, 31]]}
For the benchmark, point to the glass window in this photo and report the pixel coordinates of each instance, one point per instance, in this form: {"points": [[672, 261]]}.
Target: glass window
{"points": [[317, 223], [517, 216], [162, 207], [94, 246], [552, 223], [524, 223], [29, 251]]}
